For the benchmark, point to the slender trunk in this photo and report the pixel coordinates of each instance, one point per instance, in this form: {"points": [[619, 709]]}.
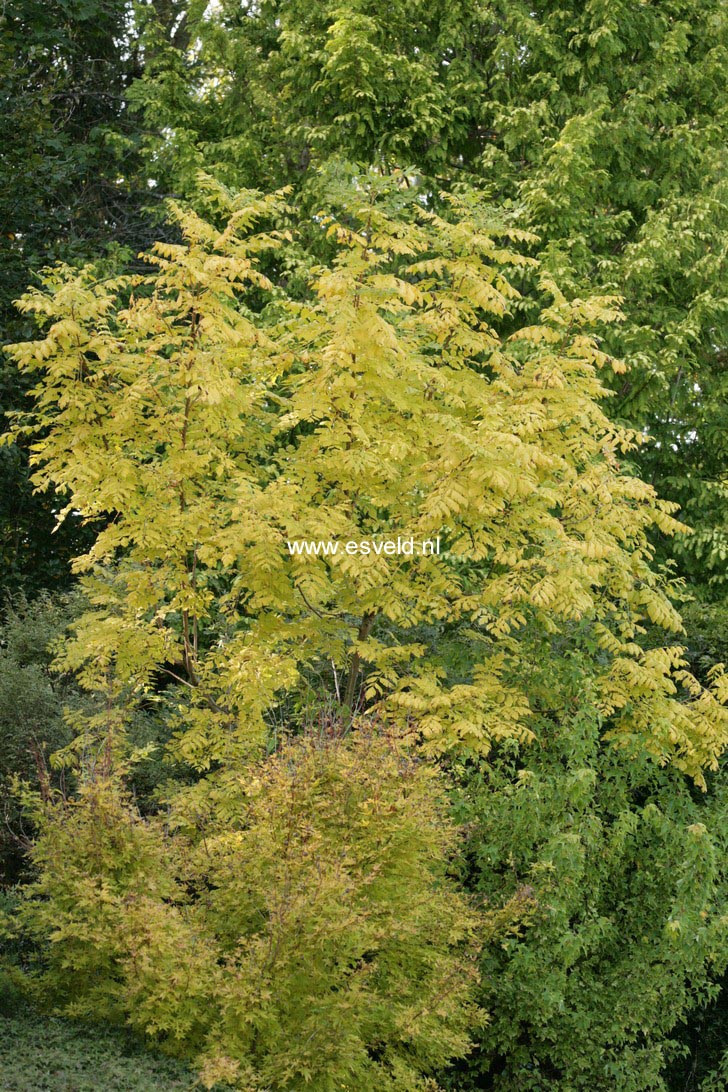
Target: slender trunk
{"points": [[364, 630]]}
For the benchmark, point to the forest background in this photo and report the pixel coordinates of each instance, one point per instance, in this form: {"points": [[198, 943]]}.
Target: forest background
{"points": [[452, 267]]}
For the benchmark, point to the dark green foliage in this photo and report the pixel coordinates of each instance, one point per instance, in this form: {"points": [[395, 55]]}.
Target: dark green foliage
{"points": [[702, 1060], [32, 701], [610, 122], [29, 557], [69, 161]]}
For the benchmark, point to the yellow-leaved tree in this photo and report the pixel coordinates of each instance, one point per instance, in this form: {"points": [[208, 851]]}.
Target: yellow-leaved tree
{"points": [[209, 421]]}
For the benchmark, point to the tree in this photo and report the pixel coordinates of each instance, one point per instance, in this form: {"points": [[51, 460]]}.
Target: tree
{"points": [[602, 128], [614, 120], [209, 432]]}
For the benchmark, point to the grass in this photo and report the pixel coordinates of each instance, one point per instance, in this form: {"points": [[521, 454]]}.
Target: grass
{"points": [[46, 1054]]}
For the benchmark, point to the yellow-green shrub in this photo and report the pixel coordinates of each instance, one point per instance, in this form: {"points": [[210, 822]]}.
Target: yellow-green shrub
{"points": [[289, 924]]}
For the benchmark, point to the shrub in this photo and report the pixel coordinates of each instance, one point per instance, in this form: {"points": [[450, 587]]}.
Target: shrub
{"points": [[292, 923]]}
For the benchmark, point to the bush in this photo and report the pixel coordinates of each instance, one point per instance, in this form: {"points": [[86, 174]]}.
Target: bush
{"points": [[292, 924]]}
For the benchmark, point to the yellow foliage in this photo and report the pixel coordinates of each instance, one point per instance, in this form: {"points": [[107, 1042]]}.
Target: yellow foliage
{"points": [[208, 433]]}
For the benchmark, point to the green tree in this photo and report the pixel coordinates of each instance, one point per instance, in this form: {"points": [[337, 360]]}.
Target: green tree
{"points": [[626, 936]]}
